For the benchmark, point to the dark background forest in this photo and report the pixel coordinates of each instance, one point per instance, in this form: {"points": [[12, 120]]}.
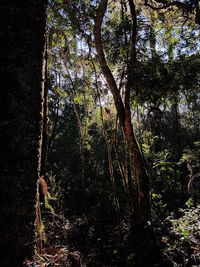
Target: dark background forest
{"points": [[100, 144]]}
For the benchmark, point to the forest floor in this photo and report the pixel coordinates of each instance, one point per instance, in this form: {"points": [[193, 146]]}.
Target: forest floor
{"points": [[90, 241]]}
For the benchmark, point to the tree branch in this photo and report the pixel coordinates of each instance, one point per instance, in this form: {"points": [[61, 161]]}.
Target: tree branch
{"points": [[103, 64], [132, 59], [166, 4]]}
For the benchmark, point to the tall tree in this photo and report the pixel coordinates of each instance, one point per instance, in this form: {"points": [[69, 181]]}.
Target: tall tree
{"points": [[22, 69], [139, 178]]}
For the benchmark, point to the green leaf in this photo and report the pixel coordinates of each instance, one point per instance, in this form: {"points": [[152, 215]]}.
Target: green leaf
{"points": [[78, 100], [186, 233]]}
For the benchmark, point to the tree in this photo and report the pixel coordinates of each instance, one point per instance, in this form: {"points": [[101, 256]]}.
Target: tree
{"points": [[22, 71], [139, 178], [154, 64], [188, 8]]}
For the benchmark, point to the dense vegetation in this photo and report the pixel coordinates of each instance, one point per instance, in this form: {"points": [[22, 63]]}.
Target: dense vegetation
{"points": [[119, 181], [89, 155]]}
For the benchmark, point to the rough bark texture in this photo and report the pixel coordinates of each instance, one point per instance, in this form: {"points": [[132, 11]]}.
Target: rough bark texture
{"points": [[140, 181], [45, 136], [21, 99]]}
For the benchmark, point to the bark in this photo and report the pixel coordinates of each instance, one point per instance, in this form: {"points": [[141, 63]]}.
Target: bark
{"points": [[45, 136], [152, 36], [140, 181], [21, 102]]}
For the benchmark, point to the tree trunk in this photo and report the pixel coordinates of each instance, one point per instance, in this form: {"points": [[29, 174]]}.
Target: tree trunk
{"points": [[21, 103], [140, 181], [45, 136]]}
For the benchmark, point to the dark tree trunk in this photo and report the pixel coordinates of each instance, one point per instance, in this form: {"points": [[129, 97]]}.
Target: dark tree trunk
{"points": [[45, 136], [22, 68]]}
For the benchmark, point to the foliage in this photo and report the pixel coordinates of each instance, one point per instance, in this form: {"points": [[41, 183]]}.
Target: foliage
{"points": [[185, 235], [83, 126]]}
